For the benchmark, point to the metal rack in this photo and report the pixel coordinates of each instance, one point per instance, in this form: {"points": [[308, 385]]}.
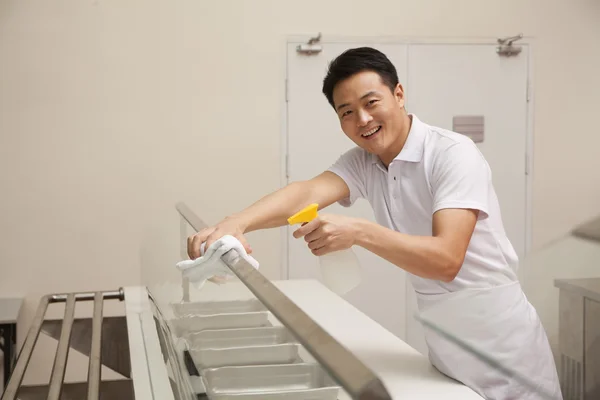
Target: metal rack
{"points": [[56, 387]]}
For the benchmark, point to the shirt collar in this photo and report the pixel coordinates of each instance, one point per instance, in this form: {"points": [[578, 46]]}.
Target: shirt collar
{"points": [[412, 151]]}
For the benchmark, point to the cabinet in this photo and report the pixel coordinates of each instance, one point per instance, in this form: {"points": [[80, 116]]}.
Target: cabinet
{"points": [[579, 329]]}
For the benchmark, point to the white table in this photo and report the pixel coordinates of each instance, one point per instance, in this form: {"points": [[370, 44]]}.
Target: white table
{"points": [[9, 312]]}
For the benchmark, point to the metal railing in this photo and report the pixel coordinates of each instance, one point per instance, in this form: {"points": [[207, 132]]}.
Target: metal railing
{"points": [[60, 360], [343, 366]]}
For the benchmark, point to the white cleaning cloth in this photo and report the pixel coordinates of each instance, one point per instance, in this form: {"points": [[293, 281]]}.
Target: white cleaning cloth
{"points": [[210, 265]]}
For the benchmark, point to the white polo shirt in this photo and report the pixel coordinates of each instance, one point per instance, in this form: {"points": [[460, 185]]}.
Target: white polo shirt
{"points": [[436, 169]]}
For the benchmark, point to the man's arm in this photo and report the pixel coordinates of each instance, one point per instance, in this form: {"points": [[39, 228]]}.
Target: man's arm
{"points": [[273, 210], [438, 257], [461, 180]]}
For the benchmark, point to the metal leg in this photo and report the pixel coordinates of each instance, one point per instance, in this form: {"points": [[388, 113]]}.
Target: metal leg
{"points": [[8, 348], [14, 349]]}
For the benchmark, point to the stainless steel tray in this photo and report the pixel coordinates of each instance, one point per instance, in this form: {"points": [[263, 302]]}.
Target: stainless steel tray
{"points": [[223, 338], [294, 381], [217, 307], [241, 356], [185, 326]]}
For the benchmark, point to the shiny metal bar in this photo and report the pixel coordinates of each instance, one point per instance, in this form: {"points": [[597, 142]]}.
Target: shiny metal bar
{"points": [[343, 366], [10, 392], [183, 230], [95, 364], [62, 351], [191, 217], [197, 224], [111, 295]]}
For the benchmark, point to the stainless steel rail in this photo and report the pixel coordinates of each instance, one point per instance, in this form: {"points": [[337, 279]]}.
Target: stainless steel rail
{"points": [[343, 366], [95, 353], [62, 351], [60, 360]]}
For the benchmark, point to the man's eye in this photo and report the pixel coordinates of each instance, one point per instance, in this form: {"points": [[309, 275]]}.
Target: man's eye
{"points": [[346, 113], [371, 102]]}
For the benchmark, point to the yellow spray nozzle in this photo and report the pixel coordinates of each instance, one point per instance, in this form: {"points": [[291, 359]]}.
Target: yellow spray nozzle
{"points": [[307, 214]]}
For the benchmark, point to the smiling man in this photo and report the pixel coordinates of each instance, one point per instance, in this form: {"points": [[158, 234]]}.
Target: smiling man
{"points": [[438, 218]]}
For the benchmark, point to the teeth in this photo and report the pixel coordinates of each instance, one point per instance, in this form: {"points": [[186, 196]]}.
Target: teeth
{"points": [[372, 131]]}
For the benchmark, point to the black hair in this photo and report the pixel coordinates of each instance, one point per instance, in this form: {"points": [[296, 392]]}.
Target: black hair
{"points": [[356, 60]]}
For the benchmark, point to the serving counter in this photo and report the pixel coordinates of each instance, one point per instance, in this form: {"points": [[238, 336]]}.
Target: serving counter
{"points": [[250, 338]]}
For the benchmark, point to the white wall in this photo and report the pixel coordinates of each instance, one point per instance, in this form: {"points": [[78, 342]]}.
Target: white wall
{"points": [[111, 111]]}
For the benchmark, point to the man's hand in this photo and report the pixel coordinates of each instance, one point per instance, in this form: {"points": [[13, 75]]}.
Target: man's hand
{"points": [[328, 233], [229, 226]]}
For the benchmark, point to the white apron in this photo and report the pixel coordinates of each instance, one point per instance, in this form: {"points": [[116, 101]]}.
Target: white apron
{"points": [[503, 324]]}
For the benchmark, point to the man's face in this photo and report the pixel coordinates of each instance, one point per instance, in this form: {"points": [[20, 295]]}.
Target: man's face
{"points": [[370, 114]]}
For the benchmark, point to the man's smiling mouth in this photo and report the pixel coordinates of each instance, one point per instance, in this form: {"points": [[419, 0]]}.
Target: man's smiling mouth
{"points": [[371, 132]]}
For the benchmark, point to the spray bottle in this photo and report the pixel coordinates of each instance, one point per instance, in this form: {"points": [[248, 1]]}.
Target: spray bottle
{"points": [[340, 270]]}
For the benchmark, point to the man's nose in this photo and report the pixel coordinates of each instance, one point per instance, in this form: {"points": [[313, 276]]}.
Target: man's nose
{"points": [[364, 118]]}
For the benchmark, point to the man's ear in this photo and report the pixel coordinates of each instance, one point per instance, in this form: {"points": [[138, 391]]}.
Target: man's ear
{"points": [[399, 95]]}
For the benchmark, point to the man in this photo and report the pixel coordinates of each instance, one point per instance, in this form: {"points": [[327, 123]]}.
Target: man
{"points": [[438, 218]]}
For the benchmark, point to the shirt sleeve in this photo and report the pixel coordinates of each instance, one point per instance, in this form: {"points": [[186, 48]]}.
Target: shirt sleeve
{"points": [[351, 168], [461, 178]]}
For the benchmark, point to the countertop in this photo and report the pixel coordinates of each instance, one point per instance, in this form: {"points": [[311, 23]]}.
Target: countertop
{"points": [[405, 372], [9, 309], [586, 287], [589, 230]]}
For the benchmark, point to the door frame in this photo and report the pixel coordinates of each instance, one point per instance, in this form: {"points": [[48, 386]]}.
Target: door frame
{"points": [[526, 42]]}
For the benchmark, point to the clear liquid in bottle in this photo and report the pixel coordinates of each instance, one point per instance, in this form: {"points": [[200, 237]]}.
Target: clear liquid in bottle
{"points": [[340, 271]]}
